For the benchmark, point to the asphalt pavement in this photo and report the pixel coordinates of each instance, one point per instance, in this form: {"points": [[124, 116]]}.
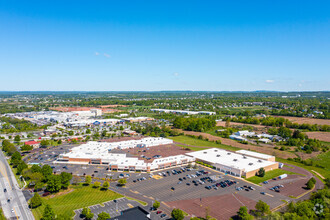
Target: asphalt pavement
{"points": [[13, 202]]}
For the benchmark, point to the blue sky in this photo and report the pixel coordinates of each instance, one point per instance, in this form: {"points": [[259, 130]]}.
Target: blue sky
{"points": [[164, 45]]}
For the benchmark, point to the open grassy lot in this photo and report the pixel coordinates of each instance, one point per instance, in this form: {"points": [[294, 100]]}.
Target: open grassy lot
{"points": [[74, 198], [323, 172], [269, 175], [324, 161], [201, 143], [2, 217]]}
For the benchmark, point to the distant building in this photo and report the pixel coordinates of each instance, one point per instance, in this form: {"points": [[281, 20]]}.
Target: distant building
{"points": [[34, 144], [183, 112], [137, 119]]}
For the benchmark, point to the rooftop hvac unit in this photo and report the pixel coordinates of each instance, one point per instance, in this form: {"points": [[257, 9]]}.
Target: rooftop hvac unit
{"points": [[235, 160], [215, 150], [218, 155], [250, 164], [205, 152], [244, 157], [228, 153], [260, 161]]}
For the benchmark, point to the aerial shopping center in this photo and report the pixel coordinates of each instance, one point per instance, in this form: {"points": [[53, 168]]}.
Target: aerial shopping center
{"points": [[112, 154]]}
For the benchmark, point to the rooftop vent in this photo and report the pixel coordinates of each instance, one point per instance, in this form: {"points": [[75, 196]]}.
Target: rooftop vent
{"points": [[215, 150], [260, 161], [218, 155], [228, 153], [250, 164], [244, 157], [205, 152], [235, 160]]}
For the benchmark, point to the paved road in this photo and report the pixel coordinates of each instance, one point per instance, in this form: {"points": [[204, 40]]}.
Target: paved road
{"points": [[17, 208]]}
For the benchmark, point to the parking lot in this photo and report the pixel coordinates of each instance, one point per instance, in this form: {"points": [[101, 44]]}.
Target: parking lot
{"points": [[46, 156], [180, 187]]}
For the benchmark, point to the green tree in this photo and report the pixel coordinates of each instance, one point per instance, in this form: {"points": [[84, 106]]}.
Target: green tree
{"points": [[21, 166], [48, 213], [44, 143], [262, 207], [35, 201], [177, 214], [122, 182], [17, 138], [87, 213], [54, 183], [103, 216], [156, 204], [97, 184], [310, 184], [243, 213], [65, 179], [261, 172], [46, 171], [105, 185], [88, 180], [36, 168], [15, 158]]}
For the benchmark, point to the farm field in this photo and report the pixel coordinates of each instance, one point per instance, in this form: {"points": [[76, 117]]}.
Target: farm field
{"points": [[229, 144], [301, 120], [269, 175], [322, 136], [194, 142], [79, 197]]}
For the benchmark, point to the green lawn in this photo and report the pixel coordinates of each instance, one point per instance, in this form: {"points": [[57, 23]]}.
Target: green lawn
{"points": [[269, 175], [192, 148], [323, 172], [324, 161], [81, 196], [201, 143], [2, 217]]}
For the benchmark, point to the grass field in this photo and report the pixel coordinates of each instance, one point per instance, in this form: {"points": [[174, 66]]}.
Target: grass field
{"points": [[81, 196], [194, 142], [2, 217], [269, 175], [322, 171], [324, 161]]}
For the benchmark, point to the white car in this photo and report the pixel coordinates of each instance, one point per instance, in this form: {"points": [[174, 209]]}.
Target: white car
{"points": [[12, 210]]}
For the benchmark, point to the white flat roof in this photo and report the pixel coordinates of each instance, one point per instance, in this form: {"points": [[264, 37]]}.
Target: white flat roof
{"points": [[230, 159], [255, 154]]}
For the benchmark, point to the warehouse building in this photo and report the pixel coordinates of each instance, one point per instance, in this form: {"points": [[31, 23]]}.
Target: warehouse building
{"points": [[240, 163]]}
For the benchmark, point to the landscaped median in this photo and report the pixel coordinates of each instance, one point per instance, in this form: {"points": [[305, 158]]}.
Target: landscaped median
{"points": [[76, 197], [269, 175]]}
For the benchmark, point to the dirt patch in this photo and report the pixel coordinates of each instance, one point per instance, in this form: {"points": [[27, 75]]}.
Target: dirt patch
{"points": [[322, 136], [300, 120], [229, 205], [261, 128], [225, 141]]}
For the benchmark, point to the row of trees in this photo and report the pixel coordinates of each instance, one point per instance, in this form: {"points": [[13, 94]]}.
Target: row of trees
{"points": [[280, 122], [194, 124]]}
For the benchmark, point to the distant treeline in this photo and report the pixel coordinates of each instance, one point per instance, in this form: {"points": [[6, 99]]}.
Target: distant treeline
{"points": [[278, 122]]}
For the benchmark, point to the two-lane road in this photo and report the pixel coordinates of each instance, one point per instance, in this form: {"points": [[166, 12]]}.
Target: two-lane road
{"points": [[12, 199]]}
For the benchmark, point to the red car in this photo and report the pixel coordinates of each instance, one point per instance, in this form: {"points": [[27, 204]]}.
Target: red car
{"points": [[158, 212]]}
